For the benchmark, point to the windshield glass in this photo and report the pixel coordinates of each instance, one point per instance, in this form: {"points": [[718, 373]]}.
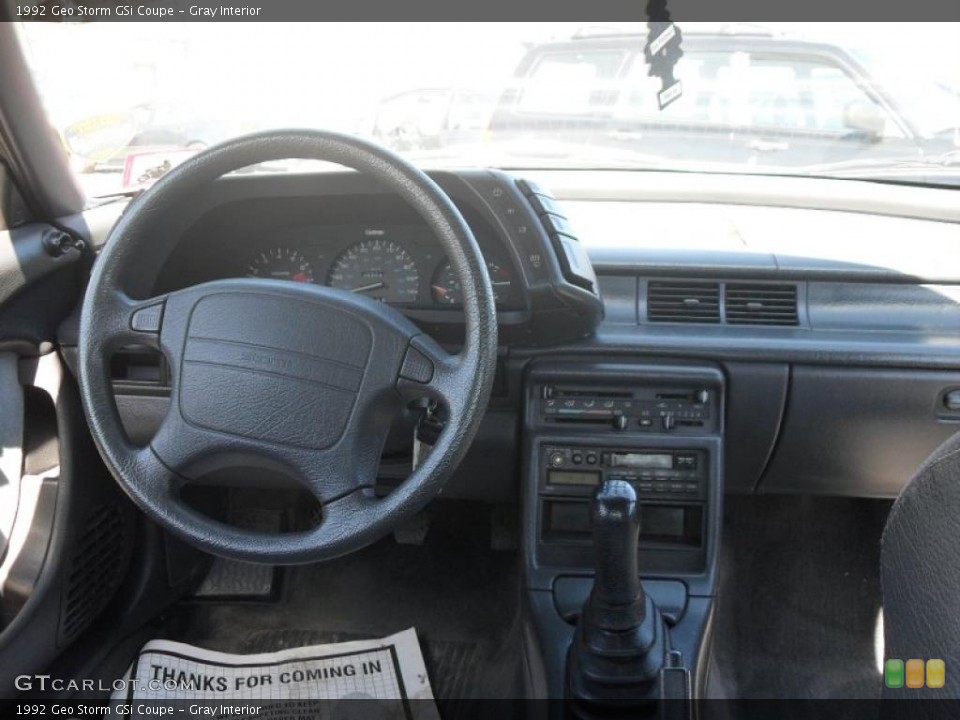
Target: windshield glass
{"points": [[851, 100]]}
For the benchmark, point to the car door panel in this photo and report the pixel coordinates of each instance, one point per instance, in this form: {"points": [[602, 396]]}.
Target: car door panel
{"points": [[60, 512]]}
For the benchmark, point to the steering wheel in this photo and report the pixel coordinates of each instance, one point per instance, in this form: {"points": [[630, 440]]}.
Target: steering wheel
{"points": [[285, 376]]}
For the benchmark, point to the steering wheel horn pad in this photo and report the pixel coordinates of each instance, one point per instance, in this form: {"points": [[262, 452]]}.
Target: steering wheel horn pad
{"points": [[295, 377]]}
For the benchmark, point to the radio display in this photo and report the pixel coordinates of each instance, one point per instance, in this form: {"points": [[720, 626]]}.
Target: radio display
{"points": [[573, 477], [642, 460]]}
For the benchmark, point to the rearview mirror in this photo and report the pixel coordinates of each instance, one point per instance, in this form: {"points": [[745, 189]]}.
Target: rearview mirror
{"points": [[865, 117]]}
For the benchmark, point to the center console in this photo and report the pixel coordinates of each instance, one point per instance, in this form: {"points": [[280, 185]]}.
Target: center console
{"points": [[655, 431]]}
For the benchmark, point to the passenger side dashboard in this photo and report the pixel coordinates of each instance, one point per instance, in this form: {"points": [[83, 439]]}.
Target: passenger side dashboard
{"points": [[837, 329]]}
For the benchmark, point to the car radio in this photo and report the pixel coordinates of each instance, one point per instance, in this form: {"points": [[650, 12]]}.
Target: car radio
{"points": [[671, 485], [655, 474]]}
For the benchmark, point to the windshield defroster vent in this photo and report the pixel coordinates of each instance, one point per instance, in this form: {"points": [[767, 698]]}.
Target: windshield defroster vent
{"points": [[683, 302], [761, 304]]}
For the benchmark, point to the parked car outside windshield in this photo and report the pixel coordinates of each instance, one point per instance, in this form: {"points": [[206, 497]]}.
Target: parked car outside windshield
{"points": [[748, 98]]}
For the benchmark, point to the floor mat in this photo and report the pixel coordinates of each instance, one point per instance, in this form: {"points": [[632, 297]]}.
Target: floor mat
{"points": [[462, 597], [799, 597], [234, 579]]}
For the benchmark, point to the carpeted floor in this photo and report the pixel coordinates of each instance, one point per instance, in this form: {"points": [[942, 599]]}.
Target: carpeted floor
{"points": [[799, 598], [462, 597]]}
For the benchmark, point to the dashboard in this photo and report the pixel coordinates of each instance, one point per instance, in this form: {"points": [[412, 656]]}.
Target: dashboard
{"points": [[845, 394], [341, 230]]}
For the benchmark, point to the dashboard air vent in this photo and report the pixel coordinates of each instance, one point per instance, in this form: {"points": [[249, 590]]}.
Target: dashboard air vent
{"points": [[683, 302], [761, 304]]}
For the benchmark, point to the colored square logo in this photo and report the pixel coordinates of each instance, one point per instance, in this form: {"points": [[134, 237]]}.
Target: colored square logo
{"points": [[936, 673], [893, 673], [914, 673]]}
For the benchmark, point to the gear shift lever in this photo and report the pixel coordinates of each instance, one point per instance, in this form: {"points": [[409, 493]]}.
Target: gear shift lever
{"points": [[620, 642], [617, 601]]}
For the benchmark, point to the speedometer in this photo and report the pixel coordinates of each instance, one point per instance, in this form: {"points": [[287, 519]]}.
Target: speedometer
{"points": [[380, 269]]}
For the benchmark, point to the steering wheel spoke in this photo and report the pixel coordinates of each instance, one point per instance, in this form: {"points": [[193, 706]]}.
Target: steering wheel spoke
{"points": [[343, 470], [430, 371], [125, 321]]}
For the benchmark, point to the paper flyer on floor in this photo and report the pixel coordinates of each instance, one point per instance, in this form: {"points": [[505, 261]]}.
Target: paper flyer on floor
{"points": [[387, 676]]}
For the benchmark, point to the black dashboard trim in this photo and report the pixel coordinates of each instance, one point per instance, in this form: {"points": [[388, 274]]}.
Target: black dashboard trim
{"points": [[719, 344]]}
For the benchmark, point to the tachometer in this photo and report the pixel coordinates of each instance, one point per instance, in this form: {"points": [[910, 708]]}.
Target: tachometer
{"points": [[447, 290], [380, 269], [281, 264]]}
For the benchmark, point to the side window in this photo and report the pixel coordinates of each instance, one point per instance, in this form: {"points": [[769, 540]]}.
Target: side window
{"points": [[571, 83]]}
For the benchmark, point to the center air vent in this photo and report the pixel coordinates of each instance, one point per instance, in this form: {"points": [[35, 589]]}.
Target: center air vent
{"points": [[683, 302], [761, 304]]}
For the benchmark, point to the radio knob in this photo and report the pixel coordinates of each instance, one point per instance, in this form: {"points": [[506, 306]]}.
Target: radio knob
{"points": [[703, 397], [619, 422], [556, 459], [669, 421]]}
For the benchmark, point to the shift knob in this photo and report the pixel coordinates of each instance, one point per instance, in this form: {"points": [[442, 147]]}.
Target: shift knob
{"points": [[620, 642], [618, 599]]}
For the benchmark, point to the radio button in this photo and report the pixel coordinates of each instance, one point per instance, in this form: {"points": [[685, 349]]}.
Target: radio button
{"points": [[591, 459], [691, 487], [577, 458]]}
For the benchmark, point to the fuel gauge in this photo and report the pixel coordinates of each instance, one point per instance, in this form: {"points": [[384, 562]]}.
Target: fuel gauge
{"points": [[447, 290]]}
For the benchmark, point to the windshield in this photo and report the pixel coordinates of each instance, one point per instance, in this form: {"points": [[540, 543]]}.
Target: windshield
{"points": [[851, 100]]}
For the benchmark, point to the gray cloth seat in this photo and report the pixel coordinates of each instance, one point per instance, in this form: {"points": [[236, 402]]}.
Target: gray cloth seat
{"points": [[920, 575]]}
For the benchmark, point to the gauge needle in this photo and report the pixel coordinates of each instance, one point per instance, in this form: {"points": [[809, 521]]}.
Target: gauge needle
{"points": [[501, 283], [371, 286], [440, 290]]}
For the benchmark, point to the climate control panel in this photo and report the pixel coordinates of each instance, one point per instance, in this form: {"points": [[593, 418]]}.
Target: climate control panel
{"points": [[641, 409]]}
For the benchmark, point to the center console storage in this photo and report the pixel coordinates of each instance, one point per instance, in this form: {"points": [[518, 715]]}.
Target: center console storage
{"points": [[656, 429]]}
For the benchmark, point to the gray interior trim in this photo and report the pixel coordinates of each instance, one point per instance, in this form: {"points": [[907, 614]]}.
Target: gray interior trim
{"points": [[11, 446]]}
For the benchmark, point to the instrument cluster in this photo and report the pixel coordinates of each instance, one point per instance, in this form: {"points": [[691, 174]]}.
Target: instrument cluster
{"points": [[401, 265]]}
